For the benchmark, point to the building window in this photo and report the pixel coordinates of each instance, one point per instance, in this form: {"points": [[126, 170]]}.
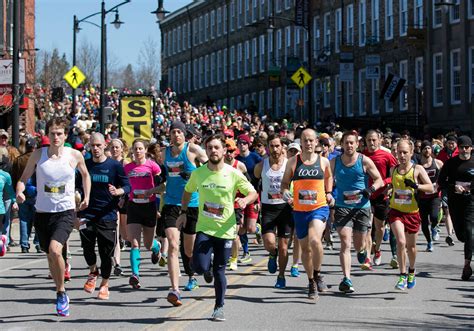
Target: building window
{"points": [[403, 11], [455, 77], [270, 48], [437, 15], [362, 23], [232, 16], [261, 63], [179, 40], [219, 21], [196, 74], [240, 15], [269, 7], [224, 19], [338, 34], [232, 103], [254, 56], [438, 79], [337, 95], [327, 30], [350, 24], [196, 32], [362, 92], [254, 10], [419, 72], [206, 27], [277, 99], [189, 76], [374, 86], [278, 5], [224, 65], [471, 73], [201, 29], [219, 67], [388, 19], [327, 92], [403, 98], [470, 9], [375, 19], [239, 60], [454, 12], [418, 17], [349, 98], [269, 99], [297, 47], [207, 71], [279, 45], [184, 37], [247, 12], [388, 103], [232, 63], [201, 72], [170, 77], [288, 4], [213, 24], [247, 58], [261, 102], [287, 41], [262, 9], [316, 36]]}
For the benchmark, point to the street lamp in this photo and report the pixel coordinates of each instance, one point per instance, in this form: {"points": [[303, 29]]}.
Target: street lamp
{"points": [[160, 12]]}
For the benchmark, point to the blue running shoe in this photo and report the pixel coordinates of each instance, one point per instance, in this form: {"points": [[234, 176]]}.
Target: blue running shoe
{"points": [[429, 247], [281, 282], [435, 234], [272, 263], [402, 283], [361, 256], [386, 234], [294, 272], [62, 304], [346, 286], [191, 285], [411, 281]]}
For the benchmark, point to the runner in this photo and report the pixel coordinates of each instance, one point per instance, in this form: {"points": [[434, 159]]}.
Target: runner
{"points": [[294, 149], [217, 184], [180, 159], [98, 223], [456, 178], [55, 203], [430, 203], [404, 217], [352, 216], [5, 185], [143, 175], [276, 213], [312, 187]]}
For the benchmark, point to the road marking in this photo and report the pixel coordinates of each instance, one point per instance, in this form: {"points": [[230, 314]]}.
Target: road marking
{"points": [[21, 265]]}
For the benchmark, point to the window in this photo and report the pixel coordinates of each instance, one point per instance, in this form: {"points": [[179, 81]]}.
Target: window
{"points": [[201, 72], [288, 4], [350, 24], [225, 22], [206, 27], [219, 67], [254, 56], [437, 15], [232, 63], [207, 72], [278, 5], [262, 9], [418, 17], [196, 74], [297, 47], [261, 101], [246, 58], [438, 79], [170, 77], [327, 30], [471, 73], [403, 12], [254, 10], [388, 19], [269, 7], [261, 63], [278, 45], [374, 86], [219, 22], [201, 29], [470, 9], [213, 24], [327, 92], [195, 32], [179, 40], [362, 92], [349, 98], [419, 72], [455, 77], [277, 99], [338, 34], [240, 15], [189, 76], [247, 12], [287, 41], [224, 65], [362, 23], [376, 19], [403, 98], [316, 35], [213, 69], [270, 48], [232, 103], [232, 16], [173, 46], [184, 37], [338, 95], [388, 103], [239, 60], [454, 12], [269, 99]]}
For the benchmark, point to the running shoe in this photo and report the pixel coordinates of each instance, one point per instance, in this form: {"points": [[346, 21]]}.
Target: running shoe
{"points": [[312, 294], [258, 234], [155, 257], [163, 261], [449, 241], [245, 258], [3, 245], [435, 234], [429, 247], [281, 282], [362, 256], [394, 262], [411, 280], [62, 304], [90, 284], [134, 281], [466, 272], [208, 276], [402, 283], [118, 271], [386, 234], [320, 284], [38, 249], [378, 258], [367, 265], [346, 286], [294, 272], [103, 293], [67, 272], [272, 263], [329, 246], [174, 298], [191, 285], [233, 264], [218, 314]]}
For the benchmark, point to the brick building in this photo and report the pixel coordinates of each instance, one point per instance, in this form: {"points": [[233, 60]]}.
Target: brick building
{"points": [[242, 52], [27, 52]]}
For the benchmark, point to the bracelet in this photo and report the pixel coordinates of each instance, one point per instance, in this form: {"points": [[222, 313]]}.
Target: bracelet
{"points": [[328, 193]]}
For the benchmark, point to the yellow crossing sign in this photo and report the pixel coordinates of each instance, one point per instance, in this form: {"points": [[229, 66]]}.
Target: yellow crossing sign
{"points": [[74, 77], [301, 77]]}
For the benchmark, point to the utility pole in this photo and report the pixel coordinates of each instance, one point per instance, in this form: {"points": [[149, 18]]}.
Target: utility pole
{"points": [[16, 74]]}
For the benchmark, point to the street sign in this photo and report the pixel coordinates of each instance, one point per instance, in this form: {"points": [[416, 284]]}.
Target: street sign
{"points": [[301, 77], [346, 71], [6, 72], [136, 117], [372, 72], [74, 77], [392, 87], [301, 12]]}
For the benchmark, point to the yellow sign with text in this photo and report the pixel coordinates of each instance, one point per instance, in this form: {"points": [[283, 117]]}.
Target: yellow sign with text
{"points": [[136, 117]]}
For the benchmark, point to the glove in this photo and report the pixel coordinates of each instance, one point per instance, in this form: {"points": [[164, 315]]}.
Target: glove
{"points": [[185, 175], [410, 183], [367, 192]]}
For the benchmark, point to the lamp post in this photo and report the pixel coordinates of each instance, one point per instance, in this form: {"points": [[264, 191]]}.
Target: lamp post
{"points": [[16, 74], [160, 13]]}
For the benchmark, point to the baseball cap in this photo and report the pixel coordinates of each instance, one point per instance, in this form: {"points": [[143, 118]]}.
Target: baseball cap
{"points": [[230, 144], [4, 133], [295, 146], [464, 141], [244, 138], [229, 133], [31, 144]]}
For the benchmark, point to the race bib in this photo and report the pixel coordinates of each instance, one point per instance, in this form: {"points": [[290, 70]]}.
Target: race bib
{"points": [[213, 210], [274, 196], [307, 197], [175, 168], [403, 197], [352, 197], [54, 189], [139, 196]]}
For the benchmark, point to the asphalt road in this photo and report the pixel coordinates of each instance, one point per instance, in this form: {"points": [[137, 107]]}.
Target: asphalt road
{"points": [[439, 300]]}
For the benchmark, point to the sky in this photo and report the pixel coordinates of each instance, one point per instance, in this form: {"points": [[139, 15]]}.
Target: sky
{"points": [[54, 21]]}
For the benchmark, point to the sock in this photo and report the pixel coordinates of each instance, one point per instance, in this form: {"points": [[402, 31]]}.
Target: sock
{"points": [[411, 271], [155, 248], [316, 273], [135, 260], [274, 254], [244, 240], [393, 243]]}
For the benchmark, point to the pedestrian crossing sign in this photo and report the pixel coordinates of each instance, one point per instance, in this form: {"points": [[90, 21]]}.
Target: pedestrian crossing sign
{"points": [[74, 77], [301, 77]]}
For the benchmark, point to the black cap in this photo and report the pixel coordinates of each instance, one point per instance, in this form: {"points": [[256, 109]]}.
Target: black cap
{"points": [[451, 138], [425, 143], [464, 141], [178, 125], [31, 144]]}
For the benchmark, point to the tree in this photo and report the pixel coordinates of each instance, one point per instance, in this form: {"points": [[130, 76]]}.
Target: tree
{"points": [[128, 78], [148, 64], [88, 60], [52, 68]]}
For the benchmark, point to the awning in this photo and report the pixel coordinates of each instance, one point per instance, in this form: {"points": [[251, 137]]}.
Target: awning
{"points": [[6, 101]]}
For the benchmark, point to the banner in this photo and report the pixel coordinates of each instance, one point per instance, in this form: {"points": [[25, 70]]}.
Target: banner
{"points": [[136, 119], [301, 12], [392, 87]]}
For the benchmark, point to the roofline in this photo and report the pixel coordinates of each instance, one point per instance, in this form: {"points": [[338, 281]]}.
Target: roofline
{"points": [[182, 10]]}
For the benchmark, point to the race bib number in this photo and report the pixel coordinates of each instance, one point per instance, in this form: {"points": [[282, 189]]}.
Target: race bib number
{"points": [[139, 196], [213, 210], [403, 197], [352, 197], [54, 189], [307, 197], [175, 168], [274, 196]]}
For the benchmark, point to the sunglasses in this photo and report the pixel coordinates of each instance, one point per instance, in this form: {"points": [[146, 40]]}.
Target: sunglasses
{"points": [[318, 152], [465, 147], [259, 145], [242, 142]]}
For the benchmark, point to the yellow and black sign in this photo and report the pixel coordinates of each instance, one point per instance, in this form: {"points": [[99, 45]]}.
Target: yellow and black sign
{"points": [[136, 117], [301, 77], [74, 77]]}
